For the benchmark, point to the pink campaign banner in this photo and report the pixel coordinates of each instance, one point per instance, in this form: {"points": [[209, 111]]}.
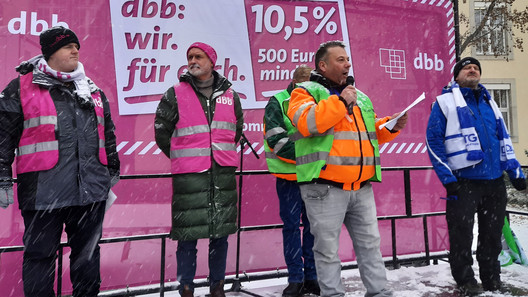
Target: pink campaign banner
{"points": [[135, 50]]}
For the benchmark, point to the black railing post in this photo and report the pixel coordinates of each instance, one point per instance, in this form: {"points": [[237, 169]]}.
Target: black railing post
{"points": [[426, 240], [395, 263], [162, 268], [407, 187]]}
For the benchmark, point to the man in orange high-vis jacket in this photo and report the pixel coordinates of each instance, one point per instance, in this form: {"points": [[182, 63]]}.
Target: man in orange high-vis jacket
{"points": [[280, 157], [336, 159], [198, 123], [66, 162]]}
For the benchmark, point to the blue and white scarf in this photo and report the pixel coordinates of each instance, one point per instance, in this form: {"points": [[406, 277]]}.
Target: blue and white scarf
{"points": [[507, 154]]}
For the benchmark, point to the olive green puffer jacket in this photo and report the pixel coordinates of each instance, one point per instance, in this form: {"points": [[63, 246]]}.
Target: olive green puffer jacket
{"points": [[204, 205]]}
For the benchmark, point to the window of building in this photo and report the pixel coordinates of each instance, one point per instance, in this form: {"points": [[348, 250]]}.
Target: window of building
{"points": [[494, 37], [501, 93]]}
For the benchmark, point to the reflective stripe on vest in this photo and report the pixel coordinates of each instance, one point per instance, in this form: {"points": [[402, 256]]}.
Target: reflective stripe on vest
{"points": [[38, 148], [276, 166], [313, 152], [194, 141]]}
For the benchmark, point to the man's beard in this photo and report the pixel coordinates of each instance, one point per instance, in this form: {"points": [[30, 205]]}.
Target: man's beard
{"points": [[196, 70]]}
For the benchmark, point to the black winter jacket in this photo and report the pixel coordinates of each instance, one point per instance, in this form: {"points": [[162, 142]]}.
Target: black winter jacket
{"points": [[78, 178]]}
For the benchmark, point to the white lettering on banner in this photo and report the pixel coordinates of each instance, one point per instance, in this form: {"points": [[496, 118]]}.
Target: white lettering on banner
{"points": [[19, 25], [273, 20], [277, 74], [253, 127], [424, 62], [150, 40], [302, 57], [272, 55], [281, 56]]}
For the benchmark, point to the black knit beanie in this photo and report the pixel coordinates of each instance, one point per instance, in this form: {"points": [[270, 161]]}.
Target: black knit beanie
{"points": [[466, 61], [54, 38]]}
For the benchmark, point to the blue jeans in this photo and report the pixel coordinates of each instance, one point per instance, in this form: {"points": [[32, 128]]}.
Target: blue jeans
{"points": [[330, 207], [292, 212], [186, 261]]}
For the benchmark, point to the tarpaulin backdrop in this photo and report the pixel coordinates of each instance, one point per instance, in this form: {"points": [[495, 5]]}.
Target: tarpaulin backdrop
{"points": [[135, 50]]}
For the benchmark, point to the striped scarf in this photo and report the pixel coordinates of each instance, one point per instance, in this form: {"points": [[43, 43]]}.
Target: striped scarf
{"points": [[465, 117]]}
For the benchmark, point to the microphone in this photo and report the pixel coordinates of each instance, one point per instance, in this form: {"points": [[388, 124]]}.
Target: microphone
{"points": [[350, 81]]}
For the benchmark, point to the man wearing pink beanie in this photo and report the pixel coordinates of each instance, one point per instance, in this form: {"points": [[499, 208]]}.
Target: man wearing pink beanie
{"points": [[198, 124]]}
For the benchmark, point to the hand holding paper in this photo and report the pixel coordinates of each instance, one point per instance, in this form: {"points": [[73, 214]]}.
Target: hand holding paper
{"points": [[400, 122], [390, 124]]}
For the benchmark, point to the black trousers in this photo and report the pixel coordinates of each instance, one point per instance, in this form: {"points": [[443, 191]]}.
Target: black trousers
{"points": [[488, 200], [42, 234]]}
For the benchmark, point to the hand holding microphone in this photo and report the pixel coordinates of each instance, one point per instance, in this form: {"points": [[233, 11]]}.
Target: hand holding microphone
{"points": [[349, 94]]}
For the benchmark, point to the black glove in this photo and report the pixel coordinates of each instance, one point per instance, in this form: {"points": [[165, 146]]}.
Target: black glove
{"points": [[452, 190], [519, 184], [6, 193]]}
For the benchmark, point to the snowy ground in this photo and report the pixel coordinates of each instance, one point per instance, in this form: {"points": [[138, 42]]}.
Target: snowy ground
{"points": [[428, 281]]}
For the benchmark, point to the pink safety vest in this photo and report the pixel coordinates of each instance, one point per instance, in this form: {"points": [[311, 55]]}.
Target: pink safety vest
{"points": [[193, 138], [38, 148]]}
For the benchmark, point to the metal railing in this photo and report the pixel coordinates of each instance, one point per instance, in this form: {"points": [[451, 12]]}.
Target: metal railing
{"points": [[395, 262]]}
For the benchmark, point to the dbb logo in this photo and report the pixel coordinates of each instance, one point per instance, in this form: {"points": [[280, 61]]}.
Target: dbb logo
{"points": [[18, 25], [424, 62], [224, 100], [98, 102]]}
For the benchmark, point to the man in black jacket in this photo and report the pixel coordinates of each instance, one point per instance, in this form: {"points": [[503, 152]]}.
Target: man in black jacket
{"points": [[59, 121]]}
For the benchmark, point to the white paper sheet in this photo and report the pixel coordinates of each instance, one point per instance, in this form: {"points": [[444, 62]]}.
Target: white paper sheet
{"points": [[111, 198], [390, 124]]}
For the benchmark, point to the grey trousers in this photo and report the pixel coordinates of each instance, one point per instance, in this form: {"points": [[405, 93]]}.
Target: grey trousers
{"points": [[328, 208]]}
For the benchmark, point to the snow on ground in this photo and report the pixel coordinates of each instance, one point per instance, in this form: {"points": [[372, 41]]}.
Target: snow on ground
{"points": [[427, 281]]}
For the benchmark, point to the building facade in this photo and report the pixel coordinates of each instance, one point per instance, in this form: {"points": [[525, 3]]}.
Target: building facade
{"points": [[504, 68]]}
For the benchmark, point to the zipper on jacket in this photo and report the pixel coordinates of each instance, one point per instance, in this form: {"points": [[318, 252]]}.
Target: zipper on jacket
{"points": [[360, 147], [211, 175], [481, 118]]}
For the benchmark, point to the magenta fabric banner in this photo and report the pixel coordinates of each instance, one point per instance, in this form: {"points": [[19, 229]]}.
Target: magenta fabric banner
{"points": [[134, 50]]}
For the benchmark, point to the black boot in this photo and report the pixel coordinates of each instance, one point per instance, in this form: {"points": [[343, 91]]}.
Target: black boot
{"points": [[187, 292], [311, 287], [470, 288], [495, 286], [218, 290], [293, 290]]}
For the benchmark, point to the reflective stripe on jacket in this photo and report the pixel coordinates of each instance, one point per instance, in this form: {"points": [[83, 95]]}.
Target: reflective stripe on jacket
{"points": [[194, 141], [336, 146], [38, 147], [277, 166]]}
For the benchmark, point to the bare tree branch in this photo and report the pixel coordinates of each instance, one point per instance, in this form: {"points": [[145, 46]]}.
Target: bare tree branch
{"points": [[478, 31], [498, 22]]}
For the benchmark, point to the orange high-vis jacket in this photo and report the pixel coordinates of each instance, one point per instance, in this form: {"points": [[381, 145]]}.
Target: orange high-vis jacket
{"points": [[352, 146]]}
